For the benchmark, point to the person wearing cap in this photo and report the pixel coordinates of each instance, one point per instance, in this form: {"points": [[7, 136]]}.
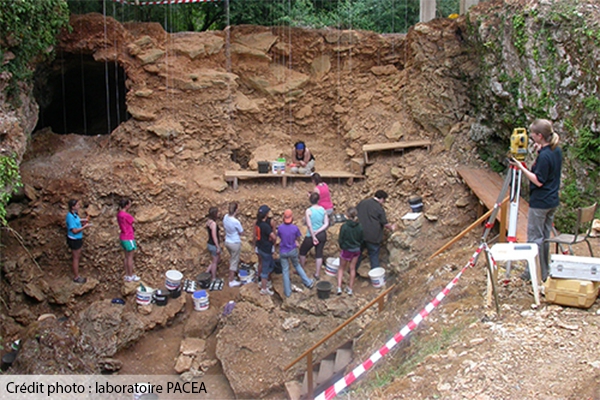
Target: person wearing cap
{"points": [[290, 234], [317, 222], [265, 238], [303, 161], [372, 217]]}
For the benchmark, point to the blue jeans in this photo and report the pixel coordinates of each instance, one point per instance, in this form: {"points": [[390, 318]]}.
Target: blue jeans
{"points": [[268, 264], [285, 259], [373, 250]]}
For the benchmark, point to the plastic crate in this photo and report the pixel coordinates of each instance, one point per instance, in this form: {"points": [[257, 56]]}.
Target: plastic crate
{"points": [[571, 292]]}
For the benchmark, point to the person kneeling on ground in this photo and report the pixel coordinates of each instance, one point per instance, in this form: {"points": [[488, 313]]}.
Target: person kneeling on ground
{"points": [[303, 161]]}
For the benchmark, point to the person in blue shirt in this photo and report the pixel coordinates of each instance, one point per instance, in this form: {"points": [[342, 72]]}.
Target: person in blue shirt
{"points": [[544, 178], [75, 227]]}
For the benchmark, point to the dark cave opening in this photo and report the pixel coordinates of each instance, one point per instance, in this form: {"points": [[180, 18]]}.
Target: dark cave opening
{"points": [[77, 94]]}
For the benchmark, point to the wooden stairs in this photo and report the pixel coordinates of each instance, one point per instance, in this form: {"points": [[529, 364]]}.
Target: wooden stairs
{"points": [[329, 370]]}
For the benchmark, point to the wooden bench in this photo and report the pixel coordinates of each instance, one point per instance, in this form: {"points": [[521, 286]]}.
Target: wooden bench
{"points": [[369, 148], [235, 176]]}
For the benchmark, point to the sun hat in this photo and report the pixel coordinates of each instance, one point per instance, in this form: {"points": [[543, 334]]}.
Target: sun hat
{"points": [[288, 216]]}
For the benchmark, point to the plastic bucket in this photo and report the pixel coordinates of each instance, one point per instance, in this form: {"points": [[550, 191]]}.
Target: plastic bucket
{"points": [[331, 266], [161, 297], [201, 301], [204, 279], [8, 359], [173, 279], [278, 167], [323, 289], [143, 297], [416, 204], [246, 276], [377, 276]]}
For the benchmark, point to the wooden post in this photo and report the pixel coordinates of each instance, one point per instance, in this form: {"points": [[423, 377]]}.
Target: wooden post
{"points": [[309, 374], [503, 216], [427, 10]]}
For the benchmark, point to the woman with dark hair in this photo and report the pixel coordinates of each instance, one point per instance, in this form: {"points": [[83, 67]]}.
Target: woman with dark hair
{"points": [[303, 161], [233, 242], [317, 222], [544, 178], [264, 240], [322, 190], [127, 238], [350, 240], [213, 243], [75, 227]]}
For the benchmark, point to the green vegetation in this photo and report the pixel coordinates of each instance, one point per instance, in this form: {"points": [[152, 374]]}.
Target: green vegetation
{"points": [[28, 30], [383, 16], [10, 181]]}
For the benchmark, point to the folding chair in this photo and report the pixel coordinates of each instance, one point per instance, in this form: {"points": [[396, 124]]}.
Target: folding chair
{"points": [[585, 217]]}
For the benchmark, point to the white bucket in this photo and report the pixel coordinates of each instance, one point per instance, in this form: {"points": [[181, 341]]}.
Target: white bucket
{"points": [[173, 279], [144, 297], [201, 301], [377, 276], [331, 266], [277, 167], [246, 276]]}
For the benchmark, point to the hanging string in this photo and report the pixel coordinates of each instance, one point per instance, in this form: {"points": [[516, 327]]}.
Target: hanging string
{"points": [[117, 86], [290, 63], [64, 96], [83, 94], [106, 70]]}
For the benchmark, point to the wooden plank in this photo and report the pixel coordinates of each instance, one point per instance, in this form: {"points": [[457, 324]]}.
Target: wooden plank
{"points": [[486, 185], [396, 145], [393, 146], [234, 176]]}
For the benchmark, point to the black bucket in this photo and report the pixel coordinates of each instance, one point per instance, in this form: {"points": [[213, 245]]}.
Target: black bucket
{"points": [[204, 279], [263, 167], [161, 297], [175, 293], [323, 289], [8, 359], [416, 204]]}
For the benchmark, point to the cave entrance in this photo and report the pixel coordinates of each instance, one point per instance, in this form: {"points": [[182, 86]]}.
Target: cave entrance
{"points": [[77, 94]]}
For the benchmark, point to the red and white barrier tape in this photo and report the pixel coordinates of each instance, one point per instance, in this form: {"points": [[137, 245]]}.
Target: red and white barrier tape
{"points": [[160, 2], [353, 375]]}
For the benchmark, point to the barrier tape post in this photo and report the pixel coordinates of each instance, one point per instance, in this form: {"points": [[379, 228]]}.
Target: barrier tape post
{"points": [[353, 375]]}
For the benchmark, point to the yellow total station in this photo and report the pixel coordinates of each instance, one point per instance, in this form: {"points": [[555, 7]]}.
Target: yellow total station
{"points": [[518, 143]]}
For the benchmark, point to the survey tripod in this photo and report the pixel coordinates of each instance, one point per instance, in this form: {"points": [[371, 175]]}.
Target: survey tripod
{"points": [[512, 181]]}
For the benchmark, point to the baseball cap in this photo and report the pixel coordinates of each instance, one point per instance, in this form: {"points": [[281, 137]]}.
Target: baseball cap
{"points": [[264, 209], [288, 216]]}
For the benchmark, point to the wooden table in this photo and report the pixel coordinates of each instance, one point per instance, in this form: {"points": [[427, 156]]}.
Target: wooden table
{"points": [[235, 176]]}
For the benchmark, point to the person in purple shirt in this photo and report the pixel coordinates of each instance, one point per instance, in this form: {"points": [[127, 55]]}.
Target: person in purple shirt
{"points": [[289, 235]]}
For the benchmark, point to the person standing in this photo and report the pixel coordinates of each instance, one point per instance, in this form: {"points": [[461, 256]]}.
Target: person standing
{"points": [[373, 219], [544, 184], [233, 242], [213, 244], [317, 222], [288, 252], [127, 238], [322, 189], [302, 159], [265, 238], [350, 240], [75, 227]]}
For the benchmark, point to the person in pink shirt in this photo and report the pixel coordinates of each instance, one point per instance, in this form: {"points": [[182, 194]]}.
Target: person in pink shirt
{"points": [[322, 190], [127, 238]]}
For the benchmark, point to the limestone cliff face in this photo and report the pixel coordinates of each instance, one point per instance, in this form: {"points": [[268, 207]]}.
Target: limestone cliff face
{"points": [[16, 121]]}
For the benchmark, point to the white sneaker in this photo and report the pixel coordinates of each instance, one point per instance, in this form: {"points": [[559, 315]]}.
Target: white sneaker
{"points": [[267, 291], [128, 278], [234, 283], [269, 284], [135, 278]]}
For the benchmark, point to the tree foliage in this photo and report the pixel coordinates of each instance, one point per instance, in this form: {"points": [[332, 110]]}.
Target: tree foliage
{"points": [[383, 16], [28, 30], [10, 181]]}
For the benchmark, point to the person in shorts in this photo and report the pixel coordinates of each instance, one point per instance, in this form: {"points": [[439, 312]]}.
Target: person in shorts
{"points": [[350, 240], [213, 243], [127, 238], [317, 222], [75, 227]]}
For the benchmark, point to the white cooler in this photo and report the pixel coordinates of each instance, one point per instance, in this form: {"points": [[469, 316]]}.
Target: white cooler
{"points": [[574, 267]]}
